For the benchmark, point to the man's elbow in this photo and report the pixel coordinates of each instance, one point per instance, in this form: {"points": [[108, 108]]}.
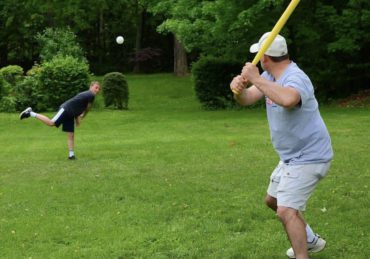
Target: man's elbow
{"points": [[290, 103]]}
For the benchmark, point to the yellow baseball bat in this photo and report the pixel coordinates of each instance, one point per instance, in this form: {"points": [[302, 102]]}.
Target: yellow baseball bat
{"points": [[275, 31]]}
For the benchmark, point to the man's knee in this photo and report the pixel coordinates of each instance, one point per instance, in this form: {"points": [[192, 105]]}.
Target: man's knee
{"points": [[271, 202], [286, 214]]}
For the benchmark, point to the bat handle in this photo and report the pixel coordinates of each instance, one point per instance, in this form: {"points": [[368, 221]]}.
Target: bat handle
{"points": [[235, 92]]}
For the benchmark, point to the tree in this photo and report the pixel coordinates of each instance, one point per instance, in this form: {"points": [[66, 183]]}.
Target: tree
{"points": [[180, 59]]}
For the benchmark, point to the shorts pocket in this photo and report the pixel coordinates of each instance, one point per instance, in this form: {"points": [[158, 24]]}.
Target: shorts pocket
{"points": [[289, 180]]}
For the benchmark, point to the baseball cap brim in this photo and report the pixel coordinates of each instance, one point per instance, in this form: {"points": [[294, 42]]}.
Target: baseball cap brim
{"points": [[254, 48]]}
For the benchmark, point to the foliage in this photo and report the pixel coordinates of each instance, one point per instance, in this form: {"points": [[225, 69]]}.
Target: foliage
{"points": [[329, 40], [62, 78], [8, 104], [148, 59], [59, 42], [212, 76], [115, 90], [9, 77], [217, 28], [2, 86], [11, 73], [28, 92]]}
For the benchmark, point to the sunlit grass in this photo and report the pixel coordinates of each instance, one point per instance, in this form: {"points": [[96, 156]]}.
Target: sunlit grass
{"points": [[166, 179]]}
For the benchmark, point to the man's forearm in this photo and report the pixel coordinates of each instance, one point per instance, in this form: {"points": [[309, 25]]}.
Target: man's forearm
{"points": [[283, 96]]}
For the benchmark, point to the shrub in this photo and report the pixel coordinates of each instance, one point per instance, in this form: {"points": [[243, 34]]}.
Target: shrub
{"points": [[115, 90], [59, 42], [11, 73], [7, 104], [62, 78], [2, 85], [28, 93], [212, 77]]}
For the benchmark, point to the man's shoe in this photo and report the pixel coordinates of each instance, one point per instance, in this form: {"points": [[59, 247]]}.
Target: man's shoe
{"points": [[317, 245], [72, 158], [25, 114]]}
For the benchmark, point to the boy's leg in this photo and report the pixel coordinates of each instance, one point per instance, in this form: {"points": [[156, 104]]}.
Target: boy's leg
{"points": [[68, 127], [29, 113], [70, 142], [43, 119]]}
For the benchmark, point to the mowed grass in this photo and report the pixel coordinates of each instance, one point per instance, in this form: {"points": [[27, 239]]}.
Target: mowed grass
{"points": [[167, 179]]}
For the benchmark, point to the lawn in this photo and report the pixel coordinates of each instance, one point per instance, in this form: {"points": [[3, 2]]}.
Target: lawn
{"points": [[166, 179]]}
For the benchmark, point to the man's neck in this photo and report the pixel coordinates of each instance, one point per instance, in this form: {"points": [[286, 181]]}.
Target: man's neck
{"points": [[278, 70]]}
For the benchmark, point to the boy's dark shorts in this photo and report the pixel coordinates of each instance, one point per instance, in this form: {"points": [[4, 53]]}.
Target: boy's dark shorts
{"points": [[62, 117]]}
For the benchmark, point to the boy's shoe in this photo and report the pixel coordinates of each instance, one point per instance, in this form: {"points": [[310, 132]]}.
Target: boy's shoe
{"points": [[317, 245], [25, 114], [71, 158]]}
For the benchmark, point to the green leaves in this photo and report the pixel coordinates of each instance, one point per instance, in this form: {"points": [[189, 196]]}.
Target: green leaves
{"points": [[62, 78], [62, 42]]}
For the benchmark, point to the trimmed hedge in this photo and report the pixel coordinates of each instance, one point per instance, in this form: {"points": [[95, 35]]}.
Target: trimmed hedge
{"points": [[115, 90], [62, 78], [212, 77]]}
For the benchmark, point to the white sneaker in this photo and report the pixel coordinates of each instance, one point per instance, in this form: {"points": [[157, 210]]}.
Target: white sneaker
{"points": [[317, 245]]}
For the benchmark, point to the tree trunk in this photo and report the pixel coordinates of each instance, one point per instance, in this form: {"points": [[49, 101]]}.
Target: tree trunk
{"points": [[180, 59]]}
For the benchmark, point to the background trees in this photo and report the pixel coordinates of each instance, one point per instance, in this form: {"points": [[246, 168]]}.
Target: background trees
{"points": [[329, 39]]}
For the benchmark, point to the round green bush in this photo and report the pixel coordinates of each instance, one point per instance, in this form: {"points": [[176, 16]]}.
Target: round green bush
{"points": [[115, 90], [212, 77], [62, 78], [11, 73]]}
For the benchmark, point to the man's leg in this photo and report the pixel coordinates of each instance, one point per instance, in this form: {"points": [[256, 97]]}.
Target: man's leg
{"points": [[295, 185], [296, 229]]}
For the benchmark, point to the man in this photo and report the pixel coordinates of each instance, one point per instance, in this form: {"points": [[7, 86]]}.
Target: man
{"points": [[298, 134], [71, 111]]}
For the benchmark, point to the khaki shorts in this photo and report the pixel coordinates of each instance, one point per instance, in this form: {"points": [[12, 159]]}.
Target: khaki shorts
{"points": [[292, 185]]}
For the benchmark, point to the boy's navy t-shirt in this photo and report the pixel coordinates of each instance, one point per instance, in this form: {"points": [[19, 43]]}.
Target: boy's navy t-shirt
{"points": [[78, 104]]}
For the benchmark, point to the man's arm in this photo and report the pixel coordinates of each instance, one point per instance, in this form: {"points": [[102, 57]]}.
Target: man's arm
{"points": [[287, 97]]}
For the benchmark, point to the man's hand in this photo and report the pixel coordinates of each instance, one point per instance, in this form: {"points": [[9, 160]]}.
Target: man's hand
{"points": [[238, 84], [251, 72]]}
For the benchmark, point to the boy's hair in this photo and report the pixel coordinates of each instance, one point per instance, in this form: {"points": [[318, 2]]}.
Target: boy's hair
{"points": [[279, 59], [94, 83]]}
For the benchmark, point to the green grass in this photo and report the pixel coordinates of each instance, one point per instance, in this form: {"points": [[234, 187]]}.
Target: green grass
{"points": [[169, 180]]}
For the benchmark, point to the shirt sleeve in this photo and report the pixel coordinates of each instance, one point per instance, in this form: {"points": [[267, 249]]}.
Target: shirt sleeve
{"points": [[302, 84]]}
